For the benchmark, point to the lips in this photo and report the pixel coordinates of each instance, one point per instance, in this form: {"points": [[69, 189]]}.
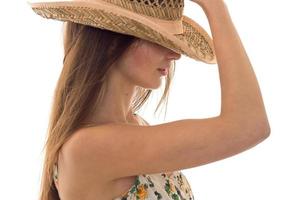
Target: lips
{"points": [[163, 69]]}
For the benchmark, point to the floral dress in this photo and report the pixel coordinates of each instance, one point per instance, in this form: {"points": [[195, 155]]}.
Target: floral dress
{"points": [[159, 186]]}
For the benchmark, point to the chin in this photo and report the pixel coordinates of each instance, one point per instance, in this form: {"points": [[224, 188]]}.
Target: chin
{"points": [[157, 86], [152, 86]]}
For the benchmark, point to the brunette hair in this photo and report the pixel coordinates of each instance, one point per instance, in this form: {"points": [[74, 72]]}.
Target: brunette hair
{"points": [[89, 53]]}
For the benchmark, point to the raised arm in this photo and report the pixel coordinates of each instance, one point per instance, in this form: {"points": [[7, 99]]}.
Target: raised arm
{"points": [[241, 97]]}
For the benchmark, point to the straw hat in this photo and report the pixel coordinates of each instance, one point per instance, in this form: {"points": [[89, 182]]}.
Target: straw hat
{"points": [[158, 21]]}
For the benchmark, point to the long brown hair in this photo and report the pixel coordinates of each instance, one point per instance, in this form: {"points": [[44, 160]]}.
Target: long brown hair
{"points": [[88, 54]]}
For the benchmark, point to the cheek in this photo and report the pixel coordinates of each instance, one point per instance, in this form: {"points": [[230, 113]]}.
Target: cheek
{"points": [[140, 62], [134, 67]]}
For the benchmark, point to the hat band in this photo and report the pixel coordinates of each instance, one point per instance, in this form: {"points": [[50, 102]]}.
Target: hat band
{"points": [[174, 27], [171, 26]]}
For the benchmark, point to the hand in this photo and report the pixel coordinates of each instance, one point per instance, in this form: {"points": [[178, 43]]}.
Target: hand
{"points": [[206, 3], [200, 2]]}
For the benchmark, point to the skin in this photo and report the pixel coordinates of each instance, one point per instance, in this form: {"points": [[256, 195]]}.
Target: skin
{"points": [[137, 67]]}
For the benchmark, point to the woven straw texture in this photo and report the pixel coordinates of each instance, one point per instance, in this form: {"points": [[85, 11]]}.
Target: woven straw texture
{"points": [[194, 36], [162, 9]]}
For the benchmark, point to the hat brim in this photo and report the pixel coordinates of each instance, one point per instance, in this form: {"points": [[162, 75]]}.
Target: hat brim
{"points": [[194, 42]]}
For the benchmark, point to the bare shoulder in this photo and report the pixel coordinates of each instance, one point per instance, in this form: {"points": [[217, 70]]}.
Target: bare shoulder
{"points": [[121, 150]]}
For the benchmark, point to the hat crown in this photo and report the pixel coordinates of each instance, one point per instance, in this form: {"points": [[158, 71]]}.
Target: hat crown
{"points": [[161, 9]]}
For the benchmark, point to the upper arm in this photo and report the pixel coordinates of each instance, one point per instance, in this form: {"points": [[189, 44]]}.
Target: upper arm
{"points": [[119, 150]]}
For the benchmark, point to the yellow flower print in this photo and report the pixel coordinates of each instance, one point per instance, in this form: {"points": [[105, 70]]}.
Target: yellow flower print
{"points": [[172, 187], [142, 192]]}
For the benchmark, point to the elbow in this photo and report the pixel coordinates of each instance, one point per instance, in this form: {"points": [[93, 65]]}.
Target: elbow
{"points": [[263, 134], [267, 130], [263, 129], [259, 127]]}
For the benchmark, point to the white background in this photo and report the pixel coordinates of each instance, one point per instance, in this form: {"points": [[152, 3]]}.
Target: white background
{"points": [[31, 59]]}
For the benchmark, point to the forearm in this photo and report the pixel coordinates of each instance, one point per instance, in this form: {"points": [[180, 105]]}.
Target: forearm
{"points": [[240, 92]]}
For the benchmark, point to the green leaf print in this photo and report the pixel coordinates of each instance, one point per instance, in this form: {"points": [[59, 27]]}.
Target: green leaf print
{"points": [[136, 183], [175, 197], [168, 187]]}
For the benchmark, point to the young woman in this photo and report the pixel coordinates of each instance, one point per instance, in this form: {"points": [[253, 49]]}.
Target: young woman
{"points": [[98, 148]]}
